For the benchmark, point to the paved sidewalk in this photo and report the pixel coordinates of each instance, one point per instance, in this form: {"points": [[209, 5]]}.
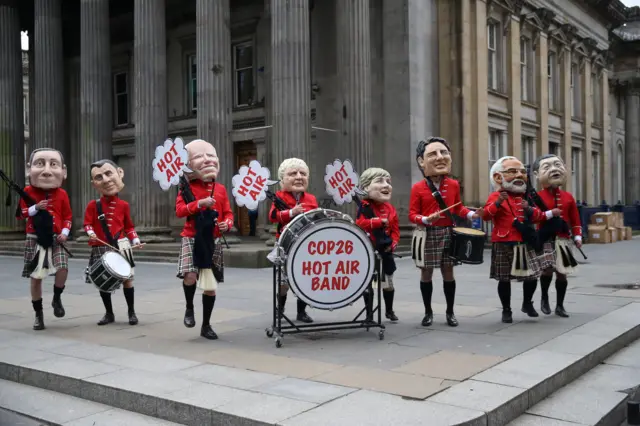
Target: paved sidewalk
{"points": [[413, 361]]}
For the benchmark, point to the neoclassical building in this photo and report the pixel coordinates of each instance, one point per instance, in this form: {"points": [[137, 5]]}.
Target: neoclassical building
{"points": [[319, 80]]}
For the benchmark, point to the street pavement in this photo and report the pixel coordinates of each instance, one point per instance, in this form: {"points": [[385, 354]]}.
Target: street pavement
{"points": [[412, 361]]}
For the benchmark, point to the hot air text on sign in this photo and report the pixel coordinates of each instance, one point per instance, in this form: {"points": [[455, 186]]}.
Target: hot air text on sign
{"points": [[252, 184], [342, 182], [171, 162]]}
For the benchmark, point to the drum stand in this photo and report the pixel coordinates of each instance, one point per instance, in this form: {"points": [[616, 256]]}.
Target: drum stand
{"points": [[279, 330]]}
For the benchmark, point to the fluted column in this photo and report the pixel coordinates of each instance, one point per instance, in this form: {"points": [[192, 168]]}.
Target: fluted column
{"points": [[11, 107], [291, 81], [354, 68], [48, 129], [632, 146], [151, 205], [213, 53], [95, 93]]}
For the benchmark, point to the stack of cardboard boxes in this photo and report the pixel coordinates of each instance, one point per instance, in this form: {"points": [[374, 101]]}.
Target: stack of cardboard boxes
{"points": [[608, 227]]}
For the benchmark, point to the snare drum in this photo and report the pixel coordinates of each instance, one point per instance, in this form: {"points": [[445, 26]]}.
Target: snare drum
{"points": [[327, 258], [467, 245], [109, 272]]}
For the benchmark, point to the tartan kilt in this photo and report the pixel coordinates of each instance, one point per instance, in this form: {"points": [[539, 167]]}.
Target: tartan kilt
{"points": [[437, 245], [548, 257], [502, 261], [185, 262], [58, 255], [96, 254]]}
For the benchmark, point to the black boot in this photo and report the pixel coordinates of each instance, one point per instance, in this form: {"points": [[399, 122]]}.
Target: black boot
{"points": [[450, 296], [108, 317], [367, 297], [128, 295], [302, 315], [207, 307], [189, 293], [504, 292], [388, 304], [56, 303], [38, 324], [426, 288], [282, 301], [545, 282], [561, 289], [528, 289]]}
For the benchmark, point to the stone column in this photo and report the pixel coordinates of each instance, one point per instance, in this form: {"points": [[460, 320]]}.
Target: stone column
{"points": [[514, 104], [213, 52], [606, 173], [354, 71], [566, 118], [291, 81], [587, 115], [11, 109], [632, 146], [95, 93], [152, 207], [542, 88], [48, 129]]}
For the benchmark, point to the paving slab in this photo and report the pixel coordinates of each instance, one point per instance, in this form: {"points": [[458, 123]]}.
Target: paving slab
{"points": [[450, 365]]}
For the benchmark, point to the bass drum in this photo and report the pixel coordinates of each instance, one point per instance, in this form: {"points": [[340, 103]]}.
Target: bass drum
{"points": [[327, 258]]}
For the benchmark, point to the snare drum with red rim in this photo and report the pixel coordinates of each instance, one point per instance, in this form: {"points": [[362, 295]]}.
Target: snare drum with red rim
{"points": [[328, 259]]}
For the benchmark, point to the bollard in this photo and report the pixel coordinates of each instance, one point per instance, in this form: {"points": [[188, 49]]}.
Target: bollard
{"points": [[633, 412]]}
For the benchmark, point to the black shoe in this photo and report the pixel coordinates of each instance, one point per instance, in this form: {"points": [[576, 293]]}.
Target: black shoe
{"points": [[133, 319], [391, 316], [107, 319], [561, 312], [58, 309], [207, 332], [39, 322], [427, 320], [528, 309], [302, 316], [507, 317], [544, 306], [452, 320], [189, 319]]}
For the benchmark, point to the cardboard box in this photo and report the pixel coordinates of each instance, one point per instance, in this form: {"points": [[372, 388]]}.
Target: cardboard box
{"points": [[628, 233], [614, 234], [606, 219], [598, 234], [622, 233], [619, 219]]}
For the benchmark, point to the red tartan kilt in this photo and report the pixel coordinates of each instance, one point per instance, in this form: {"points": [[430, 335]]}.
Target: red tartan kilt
{"points": [[437, 246], [59, 257], [502, 261], [185, 262]]}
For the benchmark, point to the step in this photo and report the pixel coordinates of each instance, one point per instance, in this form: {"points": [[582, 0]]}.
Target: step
{"points": [[57, 409], [597, 398]]}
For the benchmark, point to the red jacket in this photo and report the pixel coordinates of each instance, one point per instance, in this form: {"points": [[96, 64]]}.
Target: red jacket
{"points": [[118, 216], [284, 217], [422, 203], [202, 190], [567, 204], [502, 217], [381, 211], [59, 208]]}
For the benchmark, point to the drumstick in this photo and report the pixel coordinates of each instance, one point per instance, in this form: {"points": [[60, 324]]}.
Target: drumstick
{"points": [[139, 245], [449, 208], [106, 244]]}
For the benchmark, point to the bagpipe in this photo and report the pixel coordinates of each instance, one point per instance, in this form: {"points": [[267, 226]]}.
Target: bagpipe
{"points": [[42, 220]]}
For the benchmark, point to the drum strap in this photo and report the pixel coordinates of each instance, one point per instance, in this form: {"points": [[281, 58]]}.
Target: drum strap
{"points": [[105, 227], [436, 194]]}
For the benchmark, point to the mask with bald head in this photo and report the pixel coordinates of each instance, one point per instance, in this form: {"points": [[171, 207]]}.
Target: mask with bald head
{"points": [[46, 168], [203, 160]]}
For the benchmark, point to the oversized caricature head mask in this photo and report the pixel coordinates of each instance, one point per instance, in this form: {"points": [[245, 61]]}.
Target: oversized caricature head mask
{"points": [[509, 174], [294, 175], [434, 157], [46, 168], [107, 177], [376, 183], [203, 160], [550, 171]]}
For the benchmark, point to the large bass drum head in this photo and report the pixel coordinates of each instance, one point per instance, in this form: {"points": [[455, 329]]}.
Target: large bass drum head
{"points": [[330, 264]]}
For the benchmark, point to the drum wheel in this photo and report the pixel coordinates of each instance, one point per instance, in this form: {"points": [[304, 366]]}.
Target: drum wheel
{"points": [[269, 332], [278, 342], [381, 334]]}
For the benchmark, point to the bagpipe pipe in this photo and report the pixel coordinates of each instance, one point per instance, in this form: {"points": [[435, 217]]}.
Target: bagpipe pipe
{"points": [[206, 220], [42, 220], [549, 228]]}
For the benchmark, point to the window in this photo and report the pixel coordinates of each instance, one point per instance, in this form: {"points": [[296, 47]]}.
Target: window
{"points": [[596, 98], [595, 175], [25, 111], [528, 150], [575, 90], [554, 148], [621, 104], [497, 148], [620, 174], [192, 72], [121, 98], [243, 74], [553, 78], [576, 182], [526, 70], [492, 61]]}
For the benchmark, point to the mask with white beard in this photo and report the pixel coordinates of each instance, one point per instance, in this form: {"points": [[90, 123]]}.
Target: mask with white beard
{"points": [[517, 186]]}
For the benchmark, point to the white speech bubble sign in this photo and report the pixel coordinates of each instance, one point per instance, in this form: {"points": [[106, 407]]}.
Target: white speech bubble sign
{"points": [[250, 184], [170, 163], [341, 181]]}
